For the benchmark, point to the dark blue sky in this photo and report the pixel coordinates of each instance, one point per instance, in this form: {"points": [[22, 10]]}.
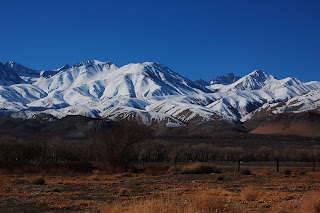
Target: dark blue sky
{"points": [[198, 39]]}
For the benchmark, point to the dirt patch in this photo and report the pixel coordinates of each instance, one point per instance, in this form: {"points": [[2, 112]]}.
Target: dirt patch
{"points": [[295, 128]]}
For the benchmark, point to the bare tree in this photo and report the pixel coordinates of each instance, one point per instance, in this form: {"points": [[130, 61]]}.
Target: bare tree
{"points": [[114, 145], [264, 153]]}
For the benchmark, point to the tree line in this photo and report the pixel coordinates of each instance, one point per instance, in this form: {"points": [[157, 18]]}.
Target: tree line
{"points": [[129, 142]]}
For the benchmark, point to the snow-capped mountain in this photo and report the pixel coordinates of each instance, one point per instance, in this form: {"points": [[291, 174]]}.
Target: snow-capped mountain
{"points": [[295, 116], [227, 79], [106, 80], [149, 92], [50, 73], [202, 82], [309, 101], [259, 80], [253, 81], [26, 74], [8, 76], [222, 79]]}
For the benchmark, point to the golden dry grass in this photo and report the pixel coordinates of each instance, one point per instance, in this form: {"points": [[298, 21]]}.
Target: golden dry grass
{"points": [[250, 193], [199, 168], [268, 192], [310, 203], [200, 202], [174, 169]]}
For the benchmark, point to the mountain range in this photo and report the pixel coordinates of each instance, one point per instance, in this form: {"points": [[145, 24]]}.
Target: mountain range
{"points": [[152, 93]]}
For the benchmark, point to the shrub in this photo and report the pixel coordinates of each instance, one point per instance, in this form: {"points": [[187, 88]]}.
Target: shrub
{"points": [[287, 172], [174, 170], [249, 193], [126, 174], [200, 168], [220, 177], [302, 172], [246, 171], [39, 181], [206, 202], [155, 170]]}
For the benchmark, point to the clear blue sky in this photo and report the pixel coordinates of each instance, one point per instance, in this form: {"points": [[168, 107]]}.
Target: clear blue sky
{"points": [[198, 39]]}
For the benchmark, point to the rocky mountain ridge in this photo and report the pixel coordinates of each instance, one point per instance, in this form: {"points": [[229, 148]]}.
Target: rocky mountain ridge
{"points": [[148, 92]]}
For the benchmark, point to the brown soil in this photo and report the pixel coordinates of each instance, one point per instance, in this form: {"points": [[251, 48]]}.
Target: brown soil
{"points": [[295, 128], [101, 192]]}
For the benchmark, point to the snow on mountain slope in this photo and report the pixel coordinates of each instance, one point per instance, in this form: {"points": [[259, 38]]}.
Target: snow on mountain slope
{"points": [[144, 116], [79, 74], [306, 102], [253, 81], [296, 116], [146, 80], [259, 80], [238, 104], [149, 92], [50, 73], [94, 80], [309, 101], [17, 97], [181, 109]]}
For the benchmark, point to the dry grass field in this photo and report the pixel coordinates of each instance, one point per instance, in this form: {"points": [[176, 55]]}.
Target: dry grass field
{"points": [[164, 191]]}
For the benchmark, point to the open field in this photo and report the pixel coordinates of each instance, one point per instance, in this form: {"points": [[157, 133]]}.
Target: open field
{"points": [[294, 189]]}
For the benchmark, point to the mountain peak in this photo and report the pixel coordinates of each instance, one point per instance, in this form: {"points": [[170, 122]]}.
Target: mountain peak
{"points": [[145, 64], [259, 75], [254, 80], [92, 62], [65, 67], [202, 82], [11, 62], [257, 72], [230, 75], [227, 79], [17, 67], [8, 75], [151, 63], [26, 74], [14, 65]]}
